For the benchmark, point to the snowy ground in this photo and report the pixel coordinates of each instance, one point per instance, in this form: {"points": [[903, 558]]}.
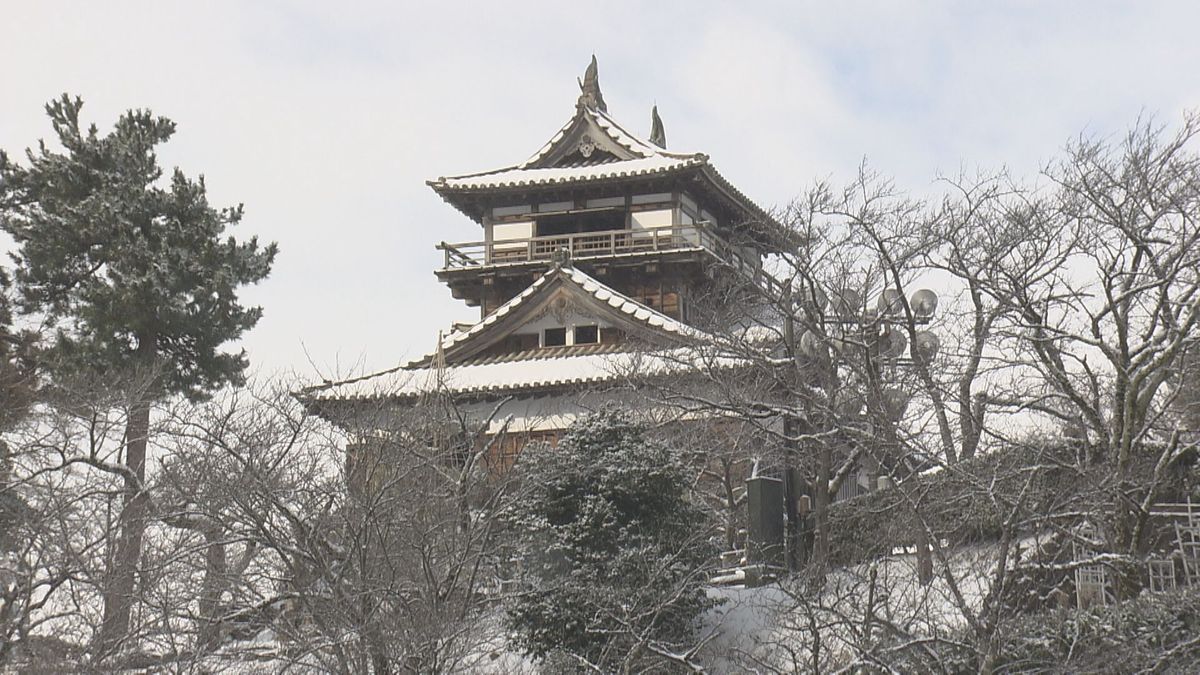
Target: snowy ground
{"points": [[765, 629], [773, 628]]}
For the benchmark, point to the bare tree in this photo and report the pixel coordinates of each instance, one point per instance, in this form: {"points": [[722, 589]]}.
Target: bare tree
{"points": [[62, 474], [809, 364], [370, 546], [1077, 314], [1095, 276]]}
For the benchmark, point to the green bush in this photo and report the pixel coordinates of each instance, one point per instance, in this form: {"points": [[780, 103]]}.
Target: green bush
{"points": [[614, 550]]}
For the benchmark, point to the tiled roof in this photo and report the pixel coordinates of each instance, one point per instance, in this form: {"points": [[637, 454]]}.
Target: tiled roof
{"points": [[626, 305], [517, 176], [637, 146], [643, 159], [488, 378], [479, 378], [528, 370], [646, 159]]}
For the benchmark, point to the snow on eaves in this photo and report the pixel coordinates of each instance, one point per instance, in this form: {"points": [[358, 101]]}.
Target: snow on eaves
{"points": [[480, 378], [638, 146], [517, 176], [650, 317], [421, 377], [648, 159], [647, 316], [510, 377]]}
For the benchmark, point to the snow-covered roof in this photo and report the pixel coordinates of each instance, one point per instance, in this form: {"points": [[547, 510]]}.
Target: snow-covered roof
{"points": [[519, 176], [637, 146], [593, 147], [499, 377], [572, 370], [584, 283], [539, 369], [630, 156]]}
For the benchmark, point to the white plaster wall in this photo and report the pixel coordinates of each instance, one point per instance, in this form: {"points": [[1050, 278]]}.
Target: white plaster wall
{"points": [[647, 219], [506, 231]]}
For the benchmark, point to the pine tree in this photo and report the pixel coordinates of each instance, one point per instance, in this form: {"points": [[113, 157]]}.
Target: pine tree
{"points": [[139, 277], [615, 550]]}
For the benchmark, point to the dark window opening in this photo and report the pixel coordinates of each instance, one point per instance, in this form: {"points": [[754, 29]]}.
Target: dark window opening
{"points": [[574, 223], [666, 301], [587, 335], [554, 337], [611, 336]]}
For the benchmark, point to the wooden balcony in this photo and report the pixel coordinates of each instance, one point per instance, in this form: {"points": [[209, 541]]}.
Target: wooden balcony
{"points": [[480, 255]]}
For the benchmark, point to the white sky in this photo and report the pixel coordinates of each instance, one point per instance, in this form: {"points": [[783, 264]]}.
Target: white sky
{"points": [[325, 118]]}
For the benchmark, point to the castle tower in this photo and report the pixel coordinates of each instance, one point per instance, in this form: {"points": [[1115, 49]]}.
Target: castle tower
{"points": [[648, 221], [600, 241]]}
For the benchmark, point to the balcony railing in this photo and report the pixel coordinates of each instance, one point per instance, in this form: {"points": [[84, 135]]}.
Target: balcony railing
{"points": [[584, 245]]}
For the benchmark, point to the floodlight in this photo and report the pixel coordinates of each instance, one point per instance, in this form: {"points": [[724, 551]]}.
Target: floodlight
{"points": [[925, 347], [895, 402], [924, 303], [891, 301]]}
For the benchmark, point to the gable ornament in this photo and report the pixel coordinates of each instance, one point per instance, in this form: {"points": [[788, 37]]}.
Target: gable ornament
{"points": [[587, 146]]}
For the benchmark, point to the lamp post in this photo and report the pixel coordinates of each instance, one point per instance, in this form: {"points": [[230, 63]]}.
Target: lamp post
{"points": [[849, 331], [845, 331]]}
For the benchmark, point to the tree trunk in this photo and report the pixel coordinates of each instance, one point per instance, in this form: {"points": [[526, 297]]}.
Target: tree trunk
{"points": [[821, 499], [1126, 580], [731, 506], [211, 589], [131, 525], [924, 556], [791, 498], [118, 593]]}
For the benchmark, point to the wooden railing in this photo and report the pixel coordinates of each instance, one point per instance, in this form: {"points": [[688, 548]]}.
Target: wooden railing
{"points": [[584, 245]]}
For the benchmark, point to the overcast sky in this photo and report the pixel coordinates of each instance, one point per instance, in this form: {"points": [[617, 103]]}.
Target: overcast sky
{"points": [[326, 118]]}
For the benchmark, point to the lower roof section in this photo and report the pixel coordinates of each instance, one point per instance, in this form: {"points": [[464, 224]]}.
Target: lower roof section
{"points": [[501, 378], [514, 414]]}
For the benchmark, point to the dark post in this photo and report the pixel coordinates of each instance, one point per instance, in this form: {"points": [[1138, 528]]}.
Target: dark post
{"points": [[765, 505], [798, 507]]}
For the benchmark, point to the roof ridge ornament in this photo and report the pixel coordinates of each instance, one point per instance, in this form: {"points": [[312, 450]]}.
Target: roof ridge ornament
{"points": [[589, 87], [658, 135], [561, 257]]}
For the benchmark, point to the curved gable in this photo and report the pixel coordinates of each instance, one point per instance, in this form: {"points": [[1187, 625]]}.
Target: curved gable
{"points": [[566, 292], [582, 140]]}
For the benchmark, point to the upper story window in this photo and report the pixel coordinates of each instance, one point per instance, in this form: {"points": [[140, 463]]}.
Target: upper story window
{"points": [[554, 224], [554, 337], [570, 335], [587, 335]]}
